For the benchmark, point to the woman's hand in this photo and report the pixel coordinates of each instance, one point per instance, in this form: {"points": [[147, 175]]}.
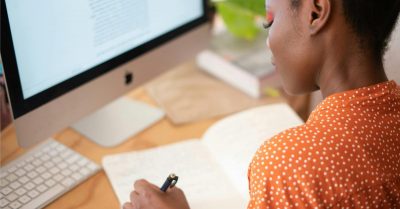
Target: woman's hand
{"points": [[149, 196]]}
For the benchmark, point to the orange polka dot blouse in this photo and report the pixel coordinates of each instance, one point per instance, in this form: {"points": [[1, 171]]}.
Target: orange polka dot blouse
{"points": [[347, 155]]}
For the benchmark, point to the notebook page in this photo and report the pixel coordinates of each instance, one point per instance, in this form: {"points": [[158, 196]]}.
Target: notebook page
{"points": [[203, 181], [234, 140]]}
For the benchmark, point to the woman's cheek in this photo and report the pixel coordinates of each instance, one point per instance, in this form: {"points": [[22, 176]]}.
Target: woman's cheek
{"points": [[271, 41]]}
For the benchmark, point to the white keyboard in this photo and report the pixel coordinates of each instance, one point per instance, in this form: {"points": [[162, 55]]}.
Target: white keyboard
{"points": [[41, 175]]}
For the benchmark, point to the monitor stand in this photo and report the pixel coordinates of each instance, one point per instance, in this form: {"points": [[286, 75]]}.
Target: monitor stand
{"points": [[118, 121]]}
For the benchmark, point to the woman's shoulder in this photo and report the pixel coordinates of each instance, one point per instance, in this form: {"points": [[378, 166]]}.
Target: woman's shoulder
{"points": [[301, 144], [295, 140]]}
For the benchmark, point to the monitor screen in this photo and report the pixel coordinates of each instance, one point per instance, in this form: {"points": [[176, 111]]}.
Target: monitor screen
{"points": [[58, 45], [65, 38]]}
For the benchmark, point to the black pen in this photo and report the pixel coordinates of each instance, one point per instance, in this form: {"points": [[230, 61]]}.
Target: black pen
{"points": [[170, 182]]}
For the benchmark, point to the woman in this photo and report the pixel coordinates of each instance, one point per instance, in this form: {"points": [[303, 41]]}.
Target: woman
{"points": [[347, 153]]}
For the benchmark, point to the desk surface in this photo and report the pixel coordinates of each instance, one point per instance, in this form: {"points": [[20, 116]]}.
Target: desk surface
{"points": [[97, 191]]}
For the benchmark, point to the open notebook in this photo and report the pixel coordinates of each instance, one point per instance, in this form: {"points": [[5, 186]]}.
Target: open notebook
{"points": [[212, 171]]}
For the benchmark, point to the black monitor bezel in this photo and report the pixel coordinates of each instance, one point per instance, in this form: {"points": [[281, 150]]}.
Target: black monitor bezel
{"points": [[21, 106]]}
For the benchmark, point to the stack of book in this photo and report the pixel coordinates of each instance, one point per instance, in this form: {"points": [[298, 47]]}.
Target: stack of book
{"points": [[243, 64]]}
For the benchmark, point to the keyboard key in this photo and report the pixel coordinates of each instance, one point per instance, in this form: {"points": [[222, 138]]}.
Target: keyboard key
{"points": [[82, 162], [12, 177], [41, 188], [46, 175], [11, 197], [38, 154], [3, 174], [56, 160], [92, 166], [85, 171], [20, 172], [68, 182], [53, 144], [15, 185], [3, 183], [38, 180], [48, 164], [29, 186], [32, 174], [29, 159], [12, 169], [15, 205], [45, 157], [21, 164], [66, 172], [23, 179], [33, 193], [46, 149], [53, 153], [73, 167], [40, 169], [65, 153], [54, 170], [50, 182], [3, 202], [62, 165], [72, 159], [76, 176], [58, 177], [29, 167], [20, 191], [24, 199], [6, 190], [36, 162], [60, 148], [52, 192]]}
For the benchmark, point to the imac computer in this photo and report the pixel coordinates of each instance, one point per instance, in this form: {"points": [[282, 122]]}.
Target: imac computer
{"points": [[69, 59]]}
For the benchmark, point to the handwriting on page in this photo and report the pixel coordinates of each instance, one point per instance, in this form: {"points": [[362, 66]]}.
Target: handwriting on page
{"points": [[234, 140], [203, 182]]}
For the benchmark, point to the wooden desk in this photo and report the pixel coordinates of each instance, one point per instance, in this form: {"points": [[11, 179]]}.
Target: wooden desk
{"points": [[97, 192]]}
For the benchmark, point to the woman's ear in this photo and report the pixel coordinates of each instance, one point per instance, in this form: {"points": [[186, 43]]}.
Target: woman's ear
{"points": [[319, 14]]}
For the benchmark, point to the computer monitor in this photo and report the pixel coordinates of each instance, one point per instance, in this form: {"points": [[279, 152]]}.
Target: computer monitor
{"points": [[66, 59]]}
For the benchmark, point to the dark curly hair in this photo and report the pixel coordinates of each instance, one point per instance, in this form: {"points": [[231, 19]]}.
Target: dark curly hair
{"points": [[372, 20]]}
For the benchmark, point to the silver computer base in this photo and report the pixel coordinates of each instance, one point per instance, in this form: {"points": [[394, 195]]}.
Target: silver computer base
{"points": [[118, 121]]}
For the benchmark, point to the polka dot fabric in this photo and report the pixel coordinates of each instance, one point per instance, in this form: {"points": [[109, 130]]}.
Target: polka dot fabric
{"points": [[347, 155]]}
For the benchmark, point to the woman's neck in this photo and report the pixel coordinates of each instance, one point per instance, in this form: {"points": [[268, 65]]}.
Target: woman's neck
{"points": [[348, 70]]}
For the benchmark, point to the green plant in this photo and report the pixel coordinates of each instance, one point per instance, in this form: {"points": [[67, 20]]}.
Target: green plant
{"points": [[240, 15]]}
